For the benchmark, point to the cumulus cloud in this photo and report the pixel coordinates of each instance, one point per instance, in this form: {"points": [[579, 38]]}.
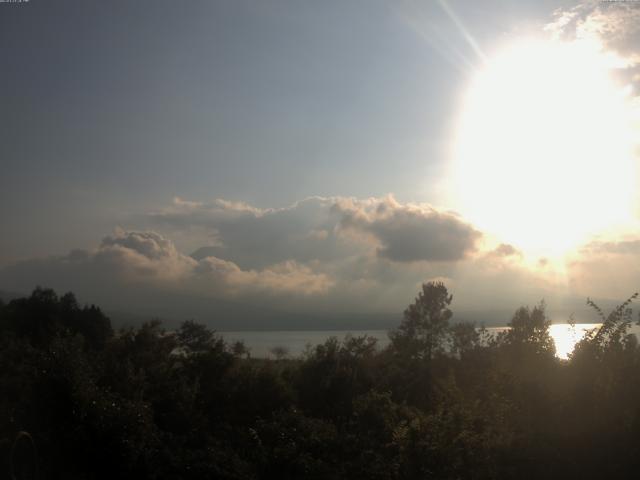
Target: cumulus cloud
{"points": [[318, 258], [286, 277], [135, 254], [409, 232], [617, 24], [150, 261], [256, 238], [613, 25], [376, 251], [147, 244], [320, 228], [359, 244]]}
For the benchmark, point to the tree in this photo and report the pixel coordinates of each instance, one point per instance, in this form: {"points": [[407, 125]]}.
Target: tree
{"points": [[197, 338], [424, 329], [43, 315], [279, 352], [529, 330], [464, 338]]}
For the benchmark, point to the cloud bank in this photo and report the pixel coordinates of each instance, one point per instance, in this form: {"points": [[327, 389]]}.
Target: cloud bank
{"points": [[318, 258], [320, 228], [128, 260]]}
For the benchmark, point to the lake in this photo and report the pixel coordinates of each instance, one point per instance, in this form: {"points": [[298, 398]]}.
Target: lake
{"points": [[261, 343]]}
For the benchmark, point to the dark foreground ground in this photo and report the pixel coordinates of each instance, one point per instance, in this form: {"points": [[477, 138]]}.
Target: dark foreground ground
{"points": [[442, 401]]}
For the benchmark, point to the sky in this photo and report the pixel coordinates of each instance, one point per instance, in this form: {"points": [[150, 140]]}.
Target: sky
{"points": [[317, 161]]}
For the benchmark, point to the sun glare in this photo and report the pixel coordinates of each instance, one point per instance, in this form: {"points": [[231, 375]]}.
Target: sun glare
{"points": [[544, 149], [566, 336]]}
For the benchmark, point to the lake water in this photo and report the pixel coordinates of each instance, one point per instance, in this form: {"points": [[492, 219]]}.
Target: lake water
{"points": [[295, 342]]}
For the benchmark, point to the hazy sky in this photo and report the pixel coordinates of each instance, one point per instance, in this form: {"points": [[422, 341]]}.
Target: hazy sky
{"points": [[114, 108], [305, 144]]}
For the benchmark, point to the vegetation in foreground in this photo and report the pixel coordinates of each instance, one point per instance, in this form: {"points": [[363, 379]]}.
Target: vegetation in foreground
{"points": [[442, 401]]}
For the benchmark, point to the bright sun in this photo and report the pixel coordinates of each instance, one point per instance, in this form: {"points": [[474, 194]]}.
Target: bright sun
{"points": [[544, 149]]}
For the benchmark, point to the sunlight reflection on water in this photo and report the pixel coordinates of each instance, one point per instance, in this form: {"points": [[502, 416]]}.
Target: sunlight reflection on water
{"points": [[261, 344], [566, 336]]}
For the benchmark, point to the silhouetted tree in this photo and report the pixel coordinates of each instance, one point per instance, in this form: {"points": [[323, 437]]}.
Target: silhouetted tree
{"points": [[529, 331], [424, 329], [279, 352], [195, 337], [443, 401], [464, 338]]}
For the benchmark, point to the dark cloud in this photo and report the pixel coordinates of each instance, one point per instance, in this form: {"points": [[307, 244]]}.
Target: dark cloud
{"points": [[255, 238], [410, 233], [313, 229]]}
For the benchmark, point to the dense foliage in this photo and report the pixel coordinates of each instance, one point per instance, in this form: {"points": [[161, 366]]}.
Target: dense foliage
{"points": [[443, 400]]}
